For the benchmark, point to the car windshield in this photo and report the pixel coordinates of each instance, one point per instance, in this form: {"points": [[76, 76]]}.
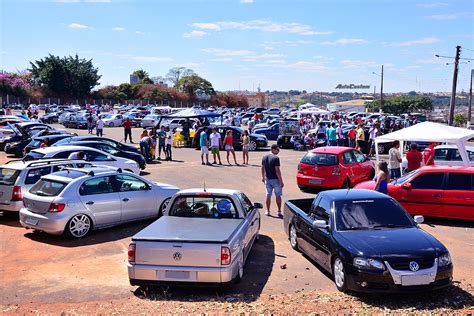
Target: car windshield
{"points": [[33, 155], [239, 129], [107, 116], [405, 177], [318, 159], [203, 207], [370, 214], [47, 188], [8, 176]]}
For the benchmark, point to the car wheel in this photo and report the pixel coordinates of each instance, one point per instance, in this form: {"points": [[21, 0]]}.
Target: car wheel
{"points": [[111, 124], [381, 148], [346, 184], [163, 206], [339, 274], [79, 226], [257, 237], [252, 145], [294, 238], [240, 273]]}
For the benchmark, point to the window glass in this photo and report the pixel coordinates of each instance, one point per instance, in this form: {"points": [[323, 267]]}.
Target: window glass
{"points": [[203, 207], [100, 185], [441, 154], [47, 188], [246, 203], [319, 159], [62, 154], [128, 183], [359, 157], [8, 176], [428, 181], [58, 168], [323, 209], [106, 148], [460, 181], [95, 156], [348, 158], [35, 174]]}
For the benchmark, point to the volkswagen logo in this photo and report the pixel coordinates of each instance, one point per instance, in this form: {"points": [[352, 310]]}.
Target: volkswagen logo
{"points": [[414, 266], [177, 256]]}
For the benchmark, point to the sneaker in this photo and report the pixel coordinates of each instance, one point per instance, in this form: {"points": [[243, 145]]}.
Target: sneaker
{"points": [[208, 164], [280, 215], [220, 163], [267, 213], [202, 163], [214, 163]]}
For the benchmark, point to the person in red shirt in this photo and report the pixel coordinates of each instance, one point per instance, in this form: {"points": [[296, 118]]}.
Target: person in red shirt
{"points": [[414, 158], [127, 129], [428, 154]]}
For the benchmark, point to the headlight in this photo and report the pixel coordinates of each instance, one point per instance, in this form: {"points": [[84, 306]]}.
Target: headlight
{"points": [[368, 263], [444, 260]]}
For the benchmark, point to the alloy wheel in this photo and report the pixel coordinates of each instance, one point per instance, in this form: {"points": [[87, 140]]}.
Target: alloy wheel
{"points": [[338, 271], [252, 145], [79, 226]]}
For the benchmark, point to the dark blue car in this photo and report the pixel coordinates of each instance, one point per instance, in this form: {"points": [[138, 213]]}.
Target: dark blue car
{"points": [[367, 242], [271, 132]]}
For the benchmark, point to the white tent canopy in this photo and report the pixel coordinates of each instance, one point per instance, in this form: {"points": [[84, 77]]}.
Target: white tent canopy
{"points": [[430, 132]]}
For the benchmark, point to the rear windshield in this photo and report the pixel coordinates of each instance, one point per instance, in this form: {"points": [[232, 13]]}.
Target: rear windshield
{"points": [[8, 176], [33, 155], [47, 188], [319, 159], [203, 207]]}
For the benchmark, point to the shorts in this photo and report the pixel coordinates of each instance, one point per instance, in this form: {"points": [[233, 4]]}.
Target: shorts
{"points": [[229, 147], [204, 150], [273, 185], [246, 147], [215, 150], [395, 173]]}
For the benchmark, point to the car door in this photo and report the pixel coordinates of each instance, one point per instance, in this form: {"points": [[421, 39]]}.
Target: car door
{"points": [[320, 236], [304, 227], [100, 198], [363, 166], [136, 198], [459, 196], [349, 166], [252, 221], [424, 195]]}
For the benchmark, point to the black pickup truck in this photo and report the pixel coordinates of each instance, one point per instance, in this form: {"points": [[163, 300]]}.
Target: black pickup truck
{"points": [[367, 241]]}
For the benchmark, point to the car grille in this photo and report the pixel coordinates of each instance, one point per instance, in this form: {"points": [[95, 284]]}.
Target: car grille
{"points": [[405, 264]]}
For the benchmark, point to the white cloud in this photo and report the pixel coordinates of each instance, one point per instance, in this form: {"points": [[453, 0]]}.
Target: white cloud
{"points": [[139, 32], [308, 66], [443, 17], [223, 59], [351, 64], [190, 65], [194, 33], [421, 41], [227, 52], [149, 59], [78, 26], [413, 67], [253, 58], [246, 1], [288, 43], [276, 61], [118, 29], [261, 25], [430, 61], [346, 41], [432, 5]]}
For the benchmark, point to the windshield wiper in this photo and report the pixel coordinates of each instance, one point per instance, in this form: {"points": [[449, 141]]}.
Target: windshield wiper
{"points": [[359, 228], [391, 226]]}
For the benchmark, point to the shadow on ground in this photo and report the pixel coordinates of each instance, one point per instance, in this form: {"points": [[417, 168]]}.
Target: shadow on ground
{"points": [[10, 219], [257, 270], [433, 222]]}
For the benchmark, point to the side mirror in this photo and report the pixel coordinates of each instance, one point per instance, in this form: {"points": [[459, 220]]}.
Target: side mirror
{"points": [[406, 186], [419, 219], [320, 224], [258, 205]]}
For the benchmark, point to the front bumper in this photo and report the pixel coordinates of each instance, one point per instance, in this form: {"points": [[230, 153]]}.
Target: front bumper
{"points": [[383, 281], [10, 206], [51, 223], [140, 274]]}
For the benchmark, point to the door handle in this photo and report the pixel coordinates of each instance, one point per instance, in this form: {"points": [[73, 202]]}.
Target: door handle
{"points": [[125, 199], [436, 195], [90, 203]]}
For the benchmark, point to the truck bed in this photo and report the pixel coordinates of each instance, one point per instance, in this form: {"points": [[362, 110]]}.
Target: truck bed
{"points": [[197, 230], [303, 205]]}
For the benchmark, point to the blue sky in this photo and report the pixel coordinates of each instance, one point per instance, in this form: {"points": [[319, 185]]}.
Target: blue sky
{"points": [[279, 45]]}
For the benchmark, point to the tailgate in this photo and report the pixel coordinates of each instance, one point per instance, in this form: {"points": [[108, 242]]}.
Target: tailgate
{"points": [[177, 254]]}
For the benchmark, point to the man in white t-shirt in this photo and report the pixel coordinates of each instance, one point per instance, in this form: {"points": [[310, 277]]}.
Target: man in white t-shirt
{"points": [[394, 160], [216, 144], [169, 143], [99, 127]]}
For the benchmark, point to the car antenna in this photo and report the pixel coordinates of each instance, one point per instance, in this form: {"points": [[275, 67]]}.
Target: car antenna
{"points": [[205, 186]]}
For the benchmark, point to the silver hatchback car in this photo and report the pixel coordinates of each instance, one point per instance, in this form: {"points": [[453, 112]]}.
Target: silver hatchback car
{"points": [[76, 201]]}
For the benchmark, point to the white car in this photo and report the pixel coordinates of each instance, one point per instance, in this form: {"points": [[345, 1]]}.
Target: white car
{"points": [[77, 201], [150, 120], [112, 120], [448, 155], [97, 157]]}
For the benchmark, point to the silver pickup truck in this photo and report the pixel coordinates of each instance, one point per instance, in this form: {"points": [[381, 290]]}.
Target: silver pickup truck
{"points": [[203, 237]]}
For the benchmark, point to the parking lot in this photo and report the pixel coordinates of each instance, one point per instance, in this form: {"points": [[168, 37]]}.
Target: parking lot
{"points": [[40, 269]]}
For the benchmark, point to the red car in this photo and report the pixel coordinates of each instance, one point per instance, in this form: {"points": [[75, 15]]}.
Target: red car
{"points": [[437, 191], [333, 167]]}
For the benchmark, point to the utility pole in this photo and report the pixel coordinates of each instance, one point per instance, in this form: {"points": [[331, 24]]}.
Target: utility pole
{"points": [[455, 81], [381, 89], [372, 106], [469, 105]]}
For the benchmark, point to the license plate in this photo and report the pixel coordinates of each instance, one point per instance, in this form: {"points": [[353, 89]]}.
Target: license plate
{"points": [[422, 279], [31, 221], [182, 275], [313, 181]]}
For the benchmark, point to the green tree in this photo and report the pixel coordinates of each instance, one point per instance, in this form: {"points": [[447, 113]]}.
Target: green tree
{"points": [[65, 76], [143, 76], [460, 119], [176, 73], [402, 104], [194, 86]]}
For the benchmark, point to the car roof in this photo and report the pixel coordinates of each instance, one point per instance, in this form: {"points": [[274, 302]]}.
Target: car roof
{"points": [[20, 164], [444, 168], [353, 194], [53, 136], [62, 148], [335, 150], [471, 148], [69, 174]]}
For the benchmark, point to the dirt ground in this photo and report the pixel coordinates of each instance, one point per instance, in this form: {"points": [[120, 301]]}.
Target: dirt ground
{"points": [[49, 274]]}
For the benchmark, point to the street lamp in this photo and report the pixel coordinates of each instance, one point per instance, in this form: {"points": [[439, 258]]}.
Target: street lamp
{"points": [[381, 86]]}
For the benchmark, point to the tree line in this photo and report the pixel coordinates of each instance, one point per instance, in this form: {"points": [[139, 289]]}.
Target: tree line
{"points": [[72, 77]]}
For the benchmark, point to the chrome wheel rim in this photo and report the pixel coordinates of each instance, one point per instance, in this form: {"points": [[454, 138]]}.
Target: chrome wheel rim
{"points": [[252, 146], [293, 241], [338, 272], [79, 226], [164, 206]]}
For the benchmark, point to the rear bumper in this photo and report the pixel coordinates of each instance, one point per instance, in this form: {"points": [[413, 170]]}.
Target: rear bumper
{"points": [[140, 274], [51, 223], [11, 206], [311, 181]]}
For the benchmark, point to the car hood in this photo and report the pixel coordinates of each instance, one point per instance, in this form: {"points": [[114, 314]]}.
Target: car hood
{"points": [[166, 186], [261, 136], [392, 243]]}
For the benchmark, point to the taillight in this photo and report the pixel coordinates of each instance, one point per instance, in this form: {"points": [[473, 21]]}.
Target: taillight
{"points": [[299, 167], [56, 207], [226, 256], [16, 194], [336, 171], [131, 253]]}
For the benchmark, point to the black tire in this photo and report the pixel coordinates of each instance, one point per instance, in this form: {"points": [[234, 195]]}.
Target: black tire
{"points": [[346, 184], [163, 206], [337, 264], [293, 242]]}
